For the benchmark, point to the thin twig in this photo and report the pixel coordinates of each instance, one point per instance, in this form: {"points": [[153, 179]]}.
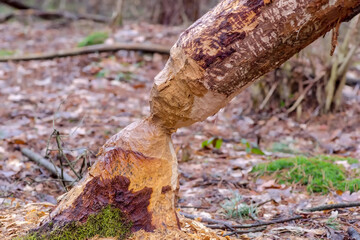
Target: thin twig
{"points": [[197, 207], [272, 90], [53, 15], [262, 203], [221, 224], [332, 206], [62, 154], [245, 231], [204, 219], [258, 224], [62, 173], [45, 163], [302, 96]]}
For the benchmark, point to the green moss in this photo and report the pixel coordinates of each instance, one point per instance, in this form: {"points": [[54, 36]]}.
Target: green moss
{"points": [[318, 174], [4, 53], [93, 39], [334, 158], [110, 222], [351, 185]]}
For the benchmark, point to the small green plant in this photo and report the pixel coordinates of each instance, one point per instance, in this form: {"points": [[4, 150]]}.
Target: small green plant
{"points": [[93, 39], [235, 208], [332, 221], [124, 76], [102, 73], [110, 222], [283, 148], [254, 149], [214, 141], [318, 174], [4, 53]]}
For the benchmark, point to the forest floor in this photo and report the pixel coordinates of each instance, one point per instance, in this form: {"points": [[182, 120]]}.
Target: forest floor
{"points": [[89, 98]]}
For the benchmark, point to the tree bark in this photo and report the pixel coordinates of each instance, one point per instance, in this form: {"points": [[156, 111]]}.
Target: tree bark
{"points": [[214, 60]]}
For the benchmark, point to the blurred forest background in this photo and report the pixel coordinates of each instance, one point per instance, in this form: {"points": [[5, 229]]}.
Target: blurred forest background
{"points": [[287, 85], [74, 72], [171, 12]]}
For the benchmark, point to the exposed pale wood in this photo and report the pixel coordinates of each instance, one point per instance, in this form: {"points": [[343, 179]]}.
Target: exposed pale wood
{"points": [[145, 47], [233, 45], [136, 172]]}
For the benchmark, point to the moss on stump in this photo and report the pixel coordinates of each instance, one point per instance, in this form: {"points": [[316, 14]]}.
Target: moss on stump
{"points": [[109, 222]]}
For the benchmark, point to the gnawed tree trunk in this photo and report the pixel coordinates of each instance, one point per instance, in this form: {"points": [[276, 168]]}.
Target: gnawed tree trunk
{"points": [[214, 59]]}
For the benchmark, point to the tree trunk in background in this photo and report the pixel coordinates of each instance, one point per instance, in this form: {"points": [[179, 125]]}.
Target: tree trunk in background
{"points": [[214, 60], [176, 12], [117, 17]]}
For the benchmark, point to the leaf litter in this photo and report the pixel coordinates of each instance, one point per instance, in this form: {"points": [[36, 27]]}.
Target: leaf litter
{"points": [[91, 97]]}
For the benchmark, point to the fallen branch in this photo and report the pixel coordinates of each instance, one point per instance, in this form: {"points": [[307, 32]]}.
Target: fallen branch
{"points": [[53, 15], [245, 231], [208, 220], [221, 224], [45, 163], [353, 234], [46, 15], [352, 81], [258, 224], [302, 95], [332, 206], [272, 90], [152, 48], [197, 207], [16, 4]]}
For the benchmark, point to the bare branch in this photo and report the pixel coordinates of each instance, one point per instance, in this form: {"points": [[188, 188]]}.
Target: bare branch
{"points": [[45, 163]]}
